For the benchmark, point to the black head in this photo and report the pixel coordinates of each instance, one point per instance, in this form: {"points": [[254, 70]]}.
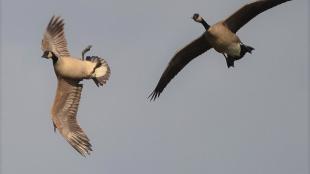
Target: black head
{"points": [[49, 55], [197, 18]]}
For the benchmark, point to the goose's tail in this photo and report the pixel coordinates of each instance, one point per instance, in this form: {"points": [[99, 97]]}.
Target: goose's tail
{"points": [[101, 72]]}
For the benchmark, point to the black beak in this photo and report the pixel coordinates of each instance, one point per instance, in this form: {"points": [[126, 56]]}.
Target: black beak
{"points": [[44, 55], [195, 16]]}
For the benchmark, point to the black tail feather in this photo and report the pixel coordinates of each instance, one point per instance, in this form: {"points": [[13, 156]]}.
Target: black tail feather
{"points": [[101, 80]]}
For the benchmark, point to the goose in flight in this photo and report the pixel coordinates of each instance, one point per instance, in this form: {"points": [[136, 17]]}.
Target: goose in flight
{"points": [[70, 72], [220, 36]]}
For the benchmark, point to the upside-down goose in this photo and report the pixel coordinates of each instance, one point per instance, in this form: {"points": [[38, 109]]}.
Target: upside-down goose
{"points": [[70, 72], [220, 36]]}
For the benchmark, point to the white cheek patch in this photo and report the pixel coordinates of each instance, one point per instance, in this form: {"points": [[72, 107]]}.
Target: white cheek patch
{"points": [[49, 55]]}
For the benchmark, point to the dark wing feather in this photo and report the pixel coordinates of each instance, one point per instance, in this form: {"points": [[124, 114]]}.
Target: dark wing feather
{"points": [[54, 38], [248, 12], [178, 62], [64, 112]]}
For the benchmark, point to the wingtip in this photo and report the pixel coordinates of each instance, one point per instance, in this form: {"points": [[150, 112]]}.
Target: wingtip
{"points": [[81, 144], [154, 95], [84, 151]]}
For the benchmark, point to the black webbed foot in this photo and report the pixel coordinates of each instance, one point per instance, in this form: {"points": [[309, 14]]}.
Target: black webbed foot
{"points": [[86, 50]]}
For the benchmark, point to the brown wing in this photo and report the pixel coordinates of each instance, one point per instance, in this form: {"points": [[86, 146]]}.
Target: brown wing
{"points": [[64, 112], [178, 62], [248, 12], [54, 38]]}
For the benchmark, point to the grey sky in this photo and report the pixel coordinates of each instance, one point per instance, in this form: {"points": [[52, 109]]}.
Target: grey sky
{"points": [[250, 119]]}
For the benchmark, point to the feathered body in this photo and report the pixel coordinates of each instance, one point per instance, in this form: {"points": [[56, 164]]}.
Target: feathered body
{"points": [[74, 68], [223, 40], [220, 36], [70, 72]]}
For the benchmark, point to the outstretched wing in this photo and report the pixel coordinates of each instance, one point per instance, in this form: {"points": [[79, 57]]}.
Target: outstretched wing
{"points": [[54, 38], [248, 12], [64, 112], [178, 62]]}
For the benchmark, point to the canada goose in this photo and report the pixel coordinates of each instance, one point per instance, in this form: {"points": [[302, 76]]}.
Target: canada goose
{"points": [[220, 36], [69, 72]]}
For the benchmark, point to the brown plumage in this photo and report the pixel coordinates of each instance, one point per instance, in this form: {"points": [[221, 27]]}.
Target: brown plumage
{"points": [[70, 72], [54, 38], [179, 61], [220, 36], [248, 12], [64, 112]]}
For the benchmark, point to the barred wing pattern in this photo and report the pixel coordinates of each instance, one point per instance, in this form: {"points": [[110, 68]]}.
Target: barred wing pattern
{"points": [[64, 112], [54, 38]]}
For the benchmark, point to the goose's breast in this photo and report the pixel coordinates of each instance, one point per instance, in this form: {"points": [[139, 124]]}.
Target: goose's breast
{"points": [[223, 40], [74, 68]]}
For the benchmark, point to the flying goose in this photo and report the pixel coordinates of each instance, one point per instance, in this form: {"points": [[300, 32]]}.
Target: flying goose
{"points": [[220, 36], [69, 72]]}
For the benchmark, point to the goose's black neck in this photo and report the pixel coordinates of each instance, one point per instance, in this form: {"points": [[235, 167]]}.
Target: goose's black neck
{"points": [[55, 59], [205, 24]]}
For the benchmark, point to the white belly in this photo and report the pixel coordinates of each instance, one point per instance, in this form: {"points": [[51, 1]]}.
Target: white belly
{"points": [[233, 50]]}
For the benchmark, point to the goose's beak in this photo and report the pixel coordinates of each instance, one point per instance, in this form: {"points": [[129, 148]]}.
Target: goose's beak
{"points": [[45, 55]]}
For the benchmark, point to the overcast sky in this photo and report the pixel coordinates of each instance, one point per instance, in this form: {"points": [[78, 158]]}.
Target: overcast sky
{"points": [[253, 118]]}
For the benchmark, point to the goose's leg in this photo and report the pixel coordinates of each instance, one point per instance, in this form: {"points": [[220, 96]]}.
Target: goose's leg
{"points": [[86, 50]]}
